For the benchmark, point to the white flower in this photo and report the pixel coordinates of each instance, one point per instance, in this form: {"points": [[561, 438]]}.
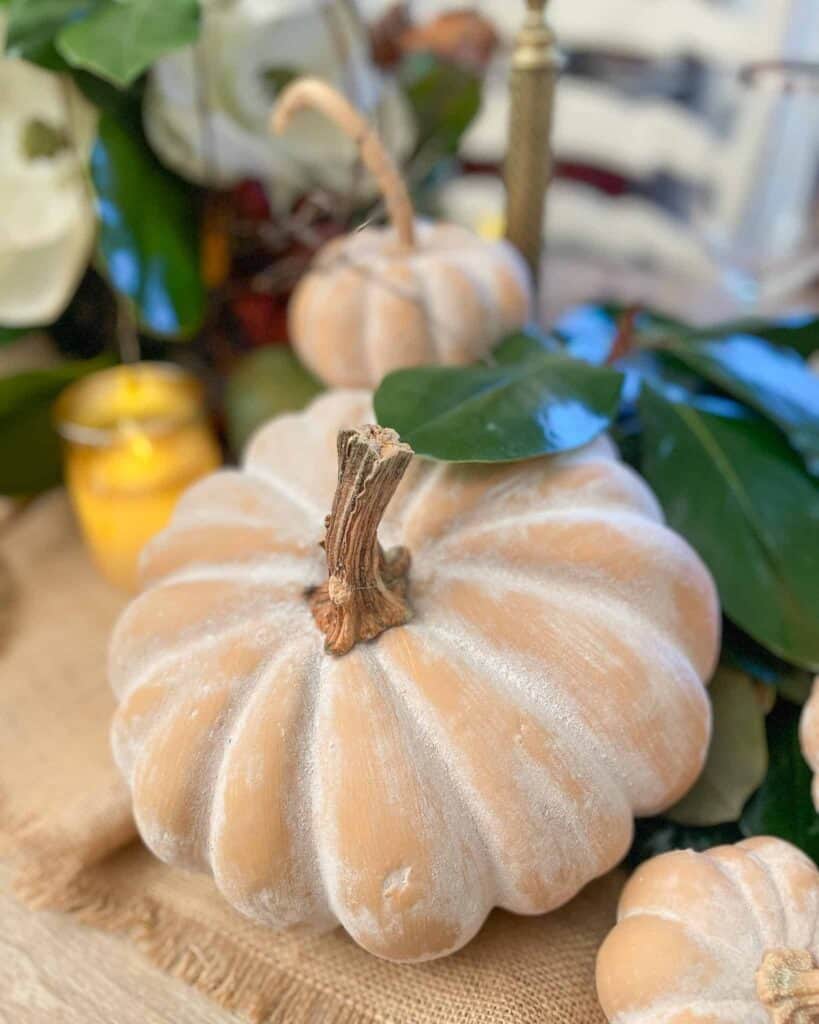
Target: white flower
{"points": [[207, 107], [47, 219]]}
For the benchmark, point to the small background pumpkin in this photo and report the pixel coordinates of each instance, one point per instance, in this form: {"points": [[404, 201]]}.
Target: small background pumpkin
{"points": [[809, 737], [416, 292], [540, 686], [730, 936]]}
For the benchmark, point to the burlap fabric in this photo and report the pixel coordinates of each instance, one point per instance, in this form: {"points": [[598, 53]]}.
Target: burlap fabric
{"points": [[65, 820]]}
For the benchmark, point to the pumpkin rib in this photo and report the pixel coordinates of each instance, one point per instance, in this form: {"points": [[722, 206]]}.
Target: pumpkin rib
{"points": [[420, 727], [716, 944], [603, 609], [403, 906], [585, 734], [420, 297], [651, 579], [512, 668], [202, 503], [785, 862], [773, 888], [743, 893], [225, 828], [510, 891], [142, 617]]}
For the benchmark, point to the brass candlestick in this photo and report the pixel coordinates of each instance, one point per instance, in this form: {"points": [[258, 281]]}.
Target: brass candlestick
{"points": [[536, 62]]}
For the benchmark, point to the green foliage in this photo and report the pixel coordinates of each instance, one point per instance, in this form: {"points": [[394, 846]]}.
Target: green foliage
{"points": [[29, 447], [783, 806], [531, 402], [729, 482], [265, 383], [444, 98], [10, 334], [148, 242], [119, 40], [115, 39], [737, 757], [772, 380]]}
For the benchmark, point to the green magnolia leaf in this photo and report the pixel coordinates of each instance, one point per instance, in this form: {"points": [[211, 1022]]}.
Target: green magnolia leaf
{"points": [[119, 39], [29, 447], [148, 243], [730, 483], [10, 334], [531, 403], [444, 99], [775, 381], [737, 756], [33, 25], [800, 332], [783, 805], [265, 383], [653, 836], [743, 652]]}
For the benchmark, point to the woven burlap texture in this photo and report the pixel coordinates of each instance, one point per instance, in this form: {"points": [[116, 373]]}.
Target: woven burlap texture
{"points": [[65, 822]]}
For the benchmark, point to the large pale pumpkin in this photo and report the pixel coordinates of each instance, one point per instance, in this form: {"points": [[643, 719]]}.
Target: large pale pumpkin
{"points": [[538, 641], [412, 293], [730, 936]]}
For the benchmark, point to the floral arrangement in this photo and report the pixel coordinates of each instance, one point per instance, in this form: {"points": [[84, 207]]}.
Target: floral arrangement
{"points": [[150, 197]]}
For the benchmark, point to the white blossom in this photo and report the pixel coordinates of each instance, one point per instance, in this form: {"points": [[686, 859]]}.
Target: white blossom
{"points": [[47, 218], [207, 107]]}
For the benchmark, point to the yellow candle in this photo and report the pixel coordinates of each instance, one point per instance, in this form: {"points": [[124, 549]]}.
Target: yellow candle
{"points": [[134, 438]]}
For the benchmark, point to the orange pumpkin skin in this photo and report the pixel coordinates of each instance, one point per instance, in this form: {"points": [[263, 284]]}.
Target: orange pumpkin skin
{"points": [[809, 737], [698, 934], [491, 751], [369, 305]]}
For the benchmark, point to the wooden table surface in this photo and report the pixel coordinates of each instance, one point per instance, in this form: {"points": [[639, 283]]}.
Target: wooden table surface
{"points": [[55, 971]]}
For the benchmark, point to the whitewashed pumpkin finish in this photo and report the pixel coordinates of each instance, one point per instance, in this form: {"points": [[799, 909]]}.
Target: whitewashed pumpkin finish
{"points": [[492, 750], [730, 936]]}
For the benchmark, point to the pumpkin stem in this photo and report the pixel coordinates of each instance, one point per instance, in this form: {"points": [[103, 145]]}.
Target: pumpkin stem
{"points": [[787, 983], [313, 92], [366, 588]]}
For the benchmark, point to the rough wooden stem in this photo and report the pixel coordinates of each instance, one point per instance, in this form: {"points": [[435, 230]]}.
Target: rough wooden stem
{"points": [[787, 983], [365, 592], [307, 93]]}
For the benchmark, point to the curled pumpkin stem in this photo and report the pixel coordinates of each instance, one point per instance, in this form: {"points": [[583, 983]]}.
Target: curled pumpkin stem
{"points": [[312, 93], [365, 592]]}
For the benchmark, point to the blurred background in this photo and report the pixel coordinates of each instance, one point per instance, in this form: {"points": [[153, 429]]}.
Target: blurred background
{"points": [[147, 212]]}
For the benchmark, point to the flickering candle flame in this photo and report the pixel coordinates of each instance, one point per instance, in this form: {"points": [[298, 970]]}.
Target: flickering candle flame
{"points": [[135, 436]]}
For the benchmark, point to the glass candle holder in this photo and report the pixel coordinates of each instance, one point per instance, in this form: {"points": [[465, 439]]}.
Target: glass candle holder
{"points": [[134, 438]]}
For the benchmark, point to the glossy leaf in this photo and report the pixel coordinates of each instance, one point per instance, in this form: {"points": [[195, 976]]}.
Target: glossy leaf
{"points": [[265, 383], [149, 246], [737, 756], [743, 652], [444, 99], [783, 806], [775, 381], [729, 482], [531, 403], [33, 26], [29, 448], [119, 39]]}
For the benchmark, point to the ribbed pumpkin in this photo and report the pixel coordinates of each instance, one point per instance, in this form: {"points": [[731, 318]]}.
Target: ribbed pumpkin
{"points": [[538, 641], [730, 936], [809, 737], [413, 293]]}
